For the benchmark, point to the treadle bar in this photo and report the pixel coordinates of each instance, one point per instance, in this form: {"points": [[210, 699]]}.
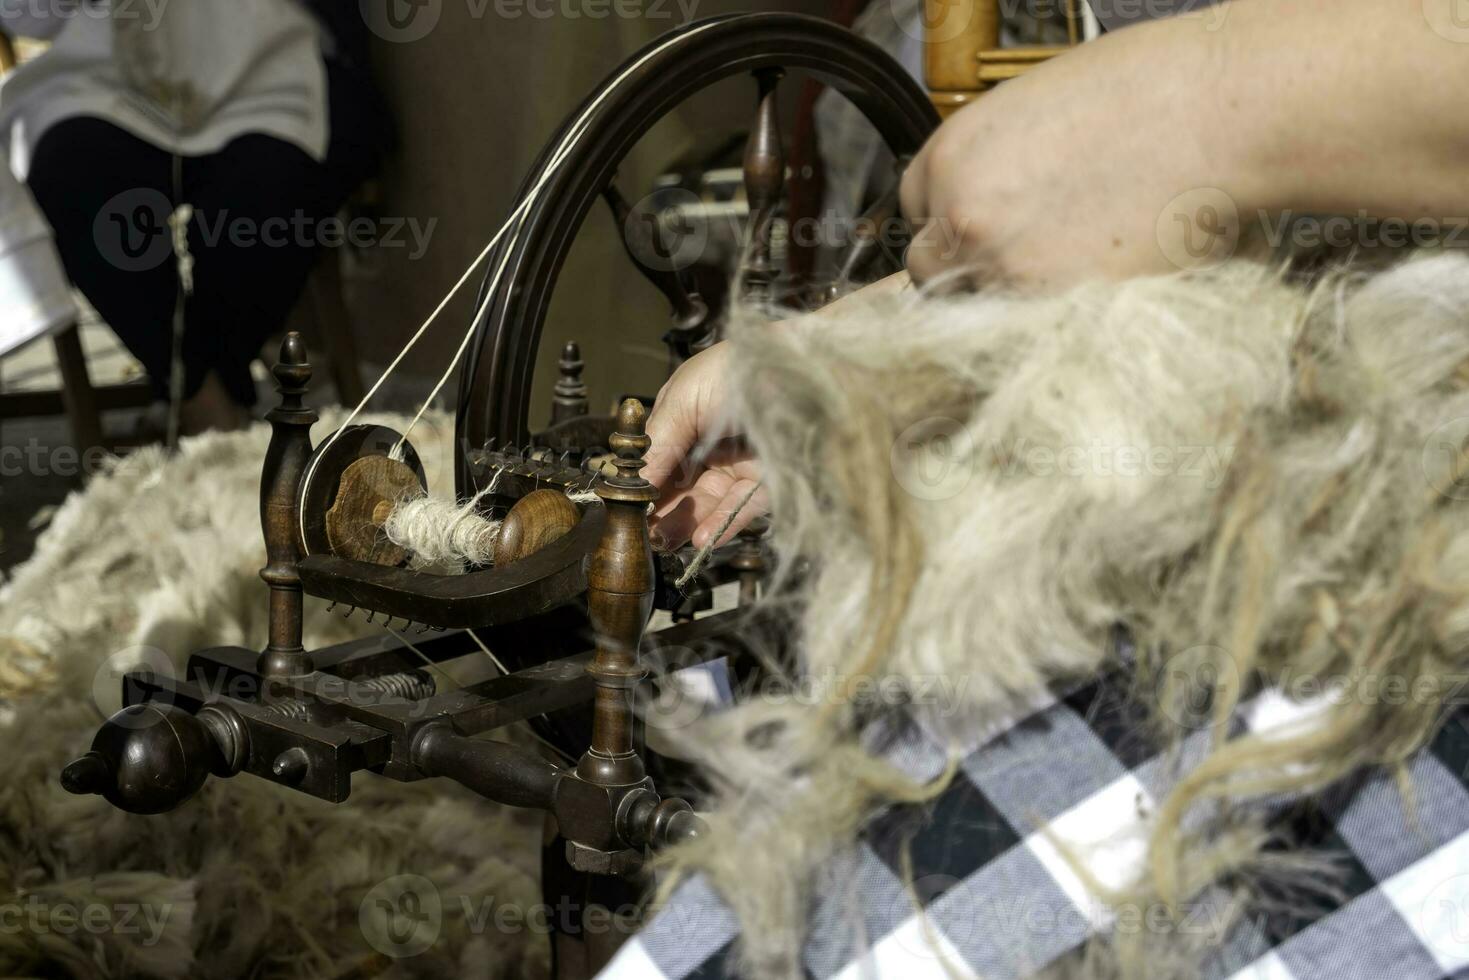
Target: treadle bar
{"points": [[337, 733]]}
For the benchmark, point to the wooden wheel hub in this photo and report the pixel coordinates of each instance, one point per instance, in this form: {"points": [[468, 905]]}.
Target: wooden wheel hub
{"points": [[366, 495]]}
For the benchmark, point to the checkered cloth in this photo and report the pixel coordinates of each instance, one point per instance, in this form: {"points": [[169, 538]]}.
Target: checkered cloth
{"points": [[999, 900]]}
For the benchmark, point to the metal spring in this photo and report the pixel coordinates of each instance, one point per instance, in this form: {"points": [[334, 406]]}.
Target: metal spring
{"points": [[292, 708], [408, 685]]}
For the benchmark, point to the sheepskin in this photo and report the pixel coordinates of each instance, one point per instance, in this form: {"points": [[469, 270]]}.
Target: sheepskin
{"points": [[1259, 476], [157, 557]]}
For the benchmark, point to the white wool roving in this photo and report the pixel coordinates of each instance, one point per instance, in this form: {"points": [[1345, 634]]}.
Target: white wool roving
{"points": [[442, 531], [1258, 474], [156, 558]]}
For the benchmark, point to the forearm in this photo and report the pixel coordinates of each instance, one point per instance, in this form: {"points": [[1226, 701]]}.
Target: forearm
{"points": [[1313, 105], [1341, 104], [1096, 163]]}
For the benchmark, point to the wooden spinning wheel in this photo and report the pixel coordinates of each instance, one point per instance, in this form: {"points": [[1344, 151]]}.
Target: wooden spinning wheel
{"points": [[580, 164], [563, 611]]}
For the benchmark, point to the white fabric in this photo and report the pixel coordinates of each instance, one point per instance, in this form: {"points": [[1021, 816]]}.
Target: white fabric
{"points": [[34, 296], [186, 77]]}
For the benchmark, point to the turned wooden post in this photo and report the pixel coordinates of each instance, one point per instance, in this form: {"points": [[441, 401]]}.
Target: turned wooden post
{"points": [[764, 174], [285, 462], [619, 599], [955, 32], [962, 56], [749, 561]]}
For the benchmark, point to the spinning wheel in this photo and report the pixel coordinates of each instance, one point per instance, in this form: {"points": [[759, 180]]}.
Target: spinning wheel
{"points": [[494, 394], [496, 450], [572, 568]]}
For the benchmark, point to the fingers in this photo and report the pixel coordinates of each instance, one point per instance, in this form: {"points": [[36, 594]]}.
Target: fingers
{"points": [[742, 503], [689, 404], [676, 519], [673, 435]]}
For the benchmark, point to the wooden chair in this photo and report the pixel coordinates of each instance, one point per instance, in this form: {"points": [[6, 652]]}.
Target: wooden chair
{"points": [[962, 53]]}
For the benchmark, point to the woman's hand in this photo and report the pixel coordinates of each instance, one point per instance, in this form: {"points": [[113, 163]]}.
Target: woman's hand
{"points": [[699, 491], [1150, 150], [1156, 147], [1063, 173]]}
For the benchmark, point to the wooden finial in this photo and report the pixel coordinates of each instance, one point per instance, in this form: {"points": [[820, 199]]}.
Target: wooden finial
{"points": [[280, 477], [629, 443], [570, 398]]}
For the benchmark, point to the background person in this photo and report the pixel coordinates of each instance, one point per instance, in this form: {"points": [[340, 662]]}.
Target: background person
{"points": [[259, 114]]}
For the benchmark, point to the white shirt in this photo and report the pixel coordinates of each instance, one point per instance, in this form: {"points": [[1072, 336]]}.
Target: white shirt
{"points": [[187, 77]]}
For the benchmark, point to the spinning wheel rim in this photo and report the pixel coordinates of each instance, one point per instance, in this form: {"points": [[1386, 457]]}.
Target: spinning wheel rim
{"points": [[494, 388], [330, 461]]}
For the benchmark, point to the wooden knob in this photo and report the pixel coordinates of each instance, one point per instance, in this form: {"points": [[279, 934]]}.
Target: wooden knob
{"points": [[366, 494], [535, 521]]}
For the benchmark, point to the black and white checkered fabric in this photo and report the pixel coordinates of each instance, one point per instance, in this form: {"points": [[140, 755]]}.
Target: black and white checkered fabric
{"points": [[1000, 900]]}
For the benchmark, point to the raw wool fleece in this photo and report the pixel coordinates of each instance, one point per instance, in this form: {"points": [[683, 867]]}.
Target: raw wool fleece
{"points": [[1258, 476], [160, 556]]}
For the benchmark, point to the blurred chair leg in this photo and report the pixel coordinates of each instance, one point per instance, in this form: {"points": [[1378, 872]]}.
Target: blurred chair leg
{"points": [[329, 310], [76, 389]]}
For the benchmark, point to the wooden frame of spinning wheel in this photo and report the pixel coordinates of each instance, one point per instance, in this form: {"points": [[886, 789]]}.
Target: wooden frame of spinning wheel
{"points": [[962, 57]]}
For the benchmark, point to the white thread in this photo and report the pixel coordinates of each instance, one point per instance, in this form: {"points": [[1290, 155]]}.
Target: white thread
{"points": [[517, 217], [573, 134], [505, 673], [493, 659], [440, 530], [422, 656]]}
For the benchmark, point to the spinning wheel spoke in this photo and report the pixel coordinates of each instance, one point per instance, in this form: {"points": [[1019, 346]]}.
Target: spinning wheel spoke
{"points": [[868, 238], [646, 245], [764, 171]]}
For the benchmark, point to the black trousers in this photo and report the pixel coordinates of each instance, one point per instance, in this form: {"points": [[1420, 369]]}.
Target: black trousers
{"points": [[261, 209]]}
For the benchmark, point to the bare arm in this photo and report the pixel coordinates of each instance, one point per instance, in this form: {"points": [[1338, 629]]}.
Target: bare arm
{"points": [[1314, 105]]}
